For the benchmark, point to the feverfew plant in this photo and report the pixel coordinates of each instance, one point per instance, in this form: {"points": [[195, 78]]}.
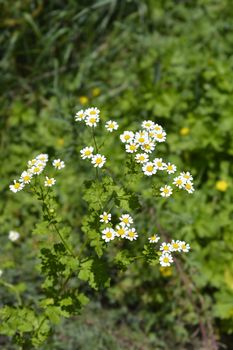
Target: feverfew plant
{"points": [[111, 223]]}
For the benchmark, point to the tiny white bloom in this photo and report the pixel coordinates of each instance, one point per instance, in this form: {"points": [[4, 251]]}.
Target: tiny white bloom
{"points": [[131, 147], [179, 181], [157, 128], [184, 247], [36, 170], [165, 247], [98, 160], [186, 176], [58, 164], [43, 157], [80, 116], [17, 186], [127, 136], [166, 191], [160, 136], [142, 158], [87, 152], [175, 246], [108, 234], [171, 168], [160, 165], [32, 162], [49, 182], [25, 177], [126, 219], [188, 186], [13, 236], [141, 137], [154, 239], [149, 169], [148, 147], [121, 230], [105, 217], [92, 112], [148, 124], [166, 259], [92, 120], [131, 234], [111, 125]]}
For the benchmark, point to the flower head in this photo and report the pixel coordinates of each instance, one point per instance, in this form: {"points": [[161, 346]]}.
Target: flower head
{"points": [[13, 236], [49, 182], [108, 234], [127, 136], [126, 219], [166, 259], [184, 247], [154, 239], [43, 157], [175, 246], [131, 147], [111, 125], [141, 137], [98, 160], [80, 116], [141, 158], [189, 187], [58, 164], [170, 168], [25, 177], [17, 186], [160, 136], [148, 124], [92, 112], [131, 234], [87, 152], [160, 165], [148, 147], [179, 181], [92, 120], [165, 247], [121, 230], [166, 191], [222, 185], [186, 176], [149, 169], [105, 217]]}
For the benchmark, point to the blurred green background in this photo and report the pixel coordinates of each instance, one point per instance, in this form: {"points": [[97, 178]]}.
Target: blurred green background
{"points": [[170, 61]]}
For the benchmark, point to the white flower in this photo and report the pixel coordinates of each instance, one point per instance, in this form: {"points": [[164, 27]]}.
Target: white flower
{"points": [[166, 259], [32, 162], [108, 234], [126, 219], [141, 137], [149, 169], [131, 147], [49, 182], [92, 120], [17, 186], [141, 158], [179, 181], [184, 247], [13, 236], [1, 273], [148, 124], [160, 165], [111, 125], [148, 147], [121, 230], [189, 187], [171, 168], [160, 136], [92, 112], [175, 246], [105, 217], [25, 177], [166, 191], [165, 247], [87, 152], [154, 239], [58, 164], [80, 116], [131, 234], [36, 170], [127, 136], [157, 128], [186, 176], [43, 157], [98, 160]]}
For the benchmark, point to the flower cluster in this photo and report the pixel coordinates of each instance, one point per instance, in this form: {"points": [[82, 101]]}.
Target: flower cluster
{"points": [[143, 143], [97, 160], [123, 229], [168, 248], [35, 167]]}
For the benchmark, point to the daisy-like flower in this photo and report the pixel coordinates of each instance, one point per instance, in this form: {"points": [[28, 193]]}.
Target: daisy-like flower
{"points": [[80, 116], [160, 165], [188, 186], [154, 239], [160, 136], [17, 186], [141, 137], [131, 147], [166, 259], [58, 164], [127, 136], [111, 125], [87, 152], [108, 234], [92, 120], [36, 170], [92, 112], [166, 191], [148, 124], [105, 217], [184, 247], [126, 219], [32, 162], [175, 246], [171, 168], [186, 176], [13, 236], [98, 160], [149, 169], [121, 230], [43, 157], [179, 181], [165, 247], [49, 182], [148, 147], [132, 234], [157, 128], [141, 158], [25, 177]]}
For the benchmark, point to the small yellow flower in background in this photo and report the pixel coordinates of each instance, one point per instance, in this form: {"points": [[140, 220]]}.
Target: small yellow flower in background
{"points": [[221, 185], [184, 131], [83, 100], [60, 142], [96, 92], [165, 271]]}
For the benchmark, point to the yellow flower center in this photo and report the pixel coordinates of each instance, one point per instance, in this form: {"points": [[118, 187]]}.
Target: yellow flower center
{"points": [[149, 168], [121, 231], [183, 246], [111, 125], [126, 137], [166, 190], [147, 146], [165, 247], [160, 136], [132, 147], [141, 139], [125, 220], [93, 112], [92, 120], [98, 160], [157, 128], [26, 178], [141, 158], [153, 238], [105, 217], [17, 185], [109, 234], [50, 182], [159, 164], [166, 260], [87, 153], [175, 245], [170, 167], [131, 234], [179, 182], [35, 170], [188, 186]]}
